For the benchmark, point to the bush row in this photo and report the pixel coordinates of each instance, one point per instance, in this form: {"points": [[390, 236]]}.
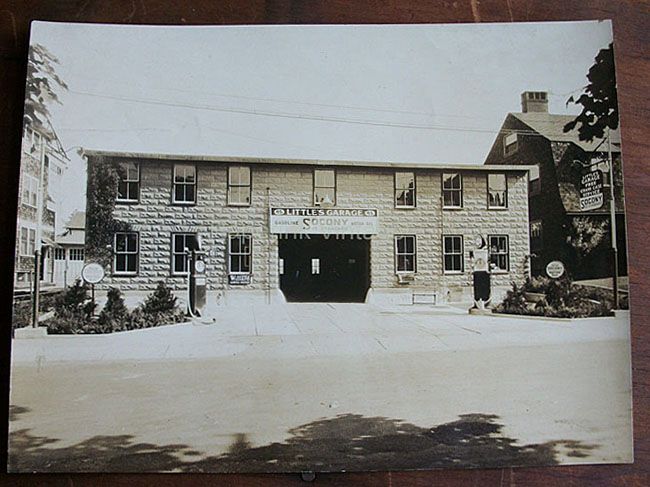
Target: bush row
{"points": [[74, 312], [562, 299]]}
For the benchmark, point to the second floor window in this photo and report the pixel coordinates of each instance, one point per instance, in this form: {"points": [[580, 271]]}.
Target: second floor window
{"points": [[30, 190], [534, 182], [452, 190], [510, 144], [128, 186], [125, 259], [27, 241], [239, 185], [324, 187], [184, 191], [404, 190], [76, 254], [497, 190], [405, 253]]}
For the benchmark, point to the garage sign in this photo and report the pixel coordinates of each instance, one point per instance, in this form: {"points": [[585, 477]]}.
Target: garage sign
{"points": [[591, 191], [324, 221]]}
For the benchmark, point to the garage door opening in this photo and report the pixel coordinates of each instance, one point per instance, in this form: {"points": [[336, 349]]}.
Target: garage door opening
{"points": [[316, 268]]}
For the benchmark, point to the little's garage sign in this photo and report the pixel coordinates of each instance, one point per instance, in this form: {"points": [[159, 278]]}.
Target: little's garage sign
{"points": [[328, 221]]}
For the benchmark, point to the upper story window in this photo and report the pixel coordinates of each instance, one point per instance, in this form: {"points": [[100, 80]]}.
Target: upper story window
{"points": [[534, 181], [30, 190], [499, 253], [240, 253], [324, 187], [181, 242], [128, 186], [32, 141], [452, 190], [125, 258], [453, 253], [536, 241], [404, 189], [184, 191], [76, 254], [510, 144], [405, 253], [497, 190], [239, 185]]}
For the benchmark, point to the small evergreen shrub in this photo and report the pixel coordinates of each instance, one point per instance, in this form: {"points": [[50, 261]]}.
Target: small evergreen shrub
{"points": [[115, 315]]}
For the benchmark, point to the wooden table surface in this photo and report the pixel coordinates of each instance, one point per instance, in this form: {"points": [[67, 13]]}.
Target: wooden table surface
{"points": [[632, 42]]}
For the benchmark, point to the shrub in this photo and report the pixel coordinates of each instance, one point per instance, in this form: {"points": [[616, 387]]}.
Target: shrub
{"points": [[115, 315], [536, 284], [73, 311], [160, 301]]}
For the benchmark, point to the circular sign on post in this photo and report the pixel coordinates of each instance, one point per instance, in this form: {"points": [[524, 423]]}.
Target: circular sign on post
{"points": [[555, 269], [92, 273]]}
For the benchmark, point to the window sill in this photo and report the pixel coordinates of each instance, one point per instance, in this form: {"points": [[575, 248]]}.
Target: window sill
{"points": [[126, 202], [124, 274], [500, 272], [240, 205], [405, 207], [497, 208], [183, 203], [453, 208], [453, 273]]}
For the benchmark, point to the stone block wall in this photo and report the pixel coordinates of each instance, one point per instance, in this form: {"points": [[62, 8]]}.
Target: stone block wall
{"points": [[155, 218]]}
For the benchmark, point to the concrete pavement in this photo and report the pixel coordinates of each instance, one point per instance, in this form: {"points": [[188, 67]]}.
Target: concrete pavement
{"points": [[261, 371]]}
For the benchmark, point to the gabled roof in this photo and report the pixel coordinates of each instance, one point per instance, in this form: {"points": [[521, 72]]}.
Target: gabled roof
{"points": [[77, 220], [551, 126]]}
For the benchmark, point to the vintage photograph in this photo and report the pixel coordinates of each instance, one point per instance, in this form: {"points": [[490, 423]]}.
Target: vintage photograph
{"points": [[320, 249]]}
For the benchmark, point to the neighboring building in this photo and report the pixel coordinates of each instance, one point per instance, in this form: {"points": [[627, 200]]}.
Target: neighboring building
{"points": [[315, 230], [43, 161], [69, 250], [536, 138]]}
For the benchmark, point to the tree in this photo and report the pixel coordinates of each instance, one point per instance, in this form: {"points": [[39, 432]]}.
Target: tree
{"points": [[585, 234], [42, 84], [599, 100]]}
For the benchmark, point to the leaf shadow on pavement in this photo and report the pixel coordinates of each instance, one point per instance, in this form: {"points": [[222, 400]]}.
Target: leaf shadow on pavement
{"points": [[344, 442]]}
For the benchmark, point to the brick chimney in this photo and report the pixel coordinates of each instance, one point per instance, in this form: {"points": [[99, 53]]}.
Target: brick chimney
{"points": [[534, 101]]}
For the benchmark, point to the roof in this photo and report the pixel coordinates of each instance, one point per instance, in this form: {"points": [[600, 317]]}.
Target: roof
{"points": [[308, 162], [551, 126], [77, 220], [71, 238]]}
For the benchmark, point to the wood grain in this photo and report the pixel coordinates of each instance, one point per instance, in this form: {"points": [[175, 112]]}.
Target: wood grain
{"points": [[632, 41]]}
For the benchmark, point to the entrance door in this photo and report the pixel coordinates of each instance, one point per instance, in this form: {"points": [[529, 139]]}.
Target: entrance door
{"points": [[317, 268]]}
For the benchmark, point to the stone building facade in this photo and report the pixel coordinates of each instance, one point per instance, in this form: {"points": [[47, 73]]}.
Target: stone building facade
{"points": [[416, 245]]}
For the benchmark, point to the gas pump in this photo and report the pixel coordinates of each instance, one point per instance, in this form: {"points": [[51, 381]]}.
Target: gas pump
{"points": [[197, 280], [481, 275]]}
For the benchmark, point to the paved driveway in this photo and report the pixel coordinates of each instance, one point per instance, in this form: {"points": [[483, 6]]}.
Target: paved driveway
{"points": [[264, 386]]}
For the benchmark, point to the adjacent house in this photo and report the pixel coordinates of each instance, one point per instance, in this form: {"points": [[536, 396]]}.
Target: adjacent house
{"points": [[69, 250], [42, 164], [305, 230], [536, 138]]}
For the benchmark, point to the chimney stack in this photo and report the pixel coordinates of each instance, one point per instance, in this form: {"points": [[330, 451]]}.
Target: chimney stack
{"points": [[534, 101]]}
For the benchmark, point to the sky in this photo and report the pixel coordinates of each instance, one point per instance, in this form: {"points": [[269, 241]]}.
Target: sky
{"points": [[409, 93]]}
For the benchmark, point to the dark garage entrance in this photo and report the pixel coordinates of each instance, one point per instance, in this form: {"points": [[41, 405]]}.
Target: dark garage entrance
{"points": [[321, 268]]}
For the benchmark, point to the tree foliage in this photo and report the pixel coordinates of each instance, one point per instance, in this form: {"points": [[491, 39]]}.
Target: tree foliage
{"points": [[599, 100], [586, 233], [43, 83]]}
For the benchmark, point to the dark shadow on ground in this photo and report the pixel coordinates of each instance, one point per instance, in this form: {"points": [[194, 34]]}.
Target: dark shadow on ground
{"points": [[345, 442]]}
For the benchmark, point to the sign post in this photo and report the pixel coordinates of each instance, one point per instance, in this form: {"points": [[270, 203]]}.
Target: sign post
{"points": [[92, 273]]}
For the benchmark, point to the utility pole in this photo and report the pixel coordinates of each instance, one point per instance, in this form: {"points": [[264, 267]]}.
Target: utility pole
{"points": [[40, 197], [612, 215]]}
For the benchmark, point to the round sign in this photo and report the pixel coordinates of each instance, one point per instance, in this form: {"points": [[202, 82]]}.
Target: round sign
{"points": [[92, 273], [199, 266], [555, 269]]}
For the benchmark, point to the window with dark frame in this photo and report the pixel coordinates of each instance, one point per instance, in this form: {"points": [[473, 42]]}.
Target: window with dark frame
{"points": [[499, 255], [126, 253], [497, 187], [452, 190], [534, 181], [324, 187], [180, 242], [405, 253], [239, 185], [184, 191], [76, 254], [239, 253], [453, 254], [404, 189], [536, 241], [128, 186], [510, 144], [59, 254]]}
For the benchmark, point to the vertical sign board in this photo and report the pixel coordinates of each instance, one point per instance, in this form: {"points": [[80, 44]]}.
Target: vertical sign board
{"points": [[591, 190]]}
